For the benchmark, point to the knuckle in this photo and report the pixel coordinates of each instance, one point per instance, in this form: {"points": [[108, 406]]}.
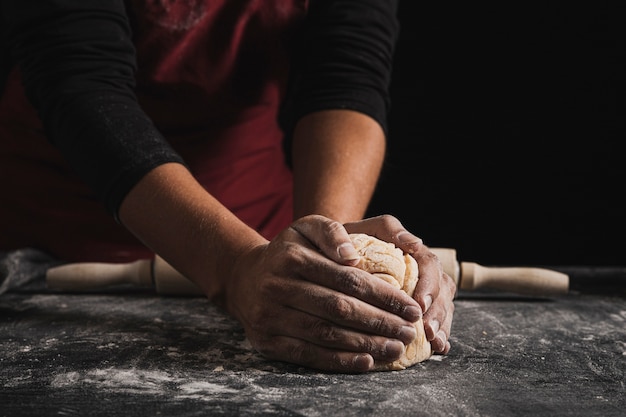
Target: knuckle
{"points": [[302, 353], [365, 343], [288, 350], [325, 332], [334, 226], [388, 220], [352, 282], [340, 306], [378, 324], [431, 256]]}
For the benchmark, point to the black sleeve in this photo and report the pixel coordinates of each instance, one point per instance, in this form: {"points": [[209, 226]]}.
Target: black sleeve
{"points": [[346, 60], [77, 63]]}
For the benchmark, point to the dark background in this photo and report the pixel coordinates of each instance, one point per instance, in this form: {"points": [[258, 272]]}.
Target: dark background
{"points": [[506, 132]]}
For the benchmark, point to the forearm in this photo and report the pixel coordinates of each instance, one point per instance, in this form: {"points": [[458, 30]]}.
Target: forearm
{"points": [[174, 216], [337, 159], [339, 102], [87, 106]]}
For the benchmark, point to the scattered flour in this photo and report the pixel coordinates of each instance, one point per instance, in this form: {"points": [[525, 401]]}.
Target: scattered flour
{"points": [[137, 382]]}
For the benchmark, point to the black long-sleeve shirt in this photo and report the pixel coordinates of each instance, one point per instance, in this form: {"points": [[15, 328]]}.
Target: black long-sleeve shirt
{"points": [[77, 61]]}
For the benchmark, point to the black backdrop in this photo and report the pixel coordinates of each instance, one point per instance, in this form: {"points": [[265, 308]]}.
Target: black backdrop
{"points": [[507, 129]]}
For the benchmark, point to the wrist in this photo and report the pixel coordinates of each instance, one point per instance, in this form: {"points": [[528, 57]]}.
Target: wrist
{"points": [[173, 215]]}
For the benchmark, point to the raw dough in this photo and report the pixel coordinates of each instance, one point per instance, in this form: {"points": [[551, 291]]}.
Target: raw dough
{"points": [[389, 263]]}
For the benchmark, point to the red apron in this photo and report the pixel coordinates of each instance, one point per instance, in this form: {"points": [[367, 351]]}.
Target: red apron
{"points": [[211, 76]]}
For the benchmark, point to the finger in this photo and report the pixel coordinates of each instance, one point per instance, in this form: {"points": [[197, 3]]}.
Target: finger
{"points": [[388, 228], [351, 281], [329, 236], [438, 322], [310, 355], [444, 333], [447, 323], [431, 277], [338, 309], [327, 334]]}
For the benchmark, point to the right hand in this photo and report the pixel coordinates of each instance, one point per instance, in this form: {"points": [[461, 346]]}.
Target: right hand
{"points": [[300, 300], [435, 290]]}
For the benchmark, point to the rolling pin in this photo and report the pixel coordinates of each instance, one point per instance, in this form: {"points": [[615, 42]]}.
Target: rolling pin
{"points": [[470, 276], [158, 274]]}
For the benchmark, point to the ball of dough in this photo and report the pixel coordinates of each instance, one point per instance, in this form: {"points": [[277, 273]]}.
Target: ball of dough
{"points": [[399, 269]]}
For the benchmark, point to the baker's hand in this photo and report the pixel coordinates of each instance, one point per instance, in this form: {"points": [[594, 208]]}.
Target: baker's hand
{"points": [[300, 300], [435, 289]]}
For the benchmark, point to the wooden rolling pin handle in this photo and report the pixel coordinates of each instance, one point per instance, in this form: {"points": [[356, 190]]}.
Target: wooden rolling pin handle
{"points": [[522, 280], [90, 276]]}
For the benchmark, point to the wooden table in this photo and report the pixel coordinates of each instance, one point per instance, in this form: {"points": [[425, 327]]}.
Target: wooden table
{"points": [[139, 354]]}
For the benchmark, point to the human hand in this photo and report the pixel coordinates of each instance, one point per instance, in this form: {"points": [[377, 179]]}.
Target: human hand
{"points": [[435, 289], [300, 300]]}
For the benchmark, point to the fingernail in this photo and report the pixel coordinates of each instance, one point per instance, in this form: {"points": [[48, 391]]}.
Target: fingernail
{"points": [[407, 334], [441, 335], [408, 238], [412, 313], [434, 324], [348, 252], [428, 301], [393, 349], [363, 362]]}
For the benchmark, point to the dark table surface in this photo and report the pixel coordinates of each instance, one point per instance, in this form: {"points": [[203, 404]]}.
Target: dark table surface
{"points": [[140, 354]]}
